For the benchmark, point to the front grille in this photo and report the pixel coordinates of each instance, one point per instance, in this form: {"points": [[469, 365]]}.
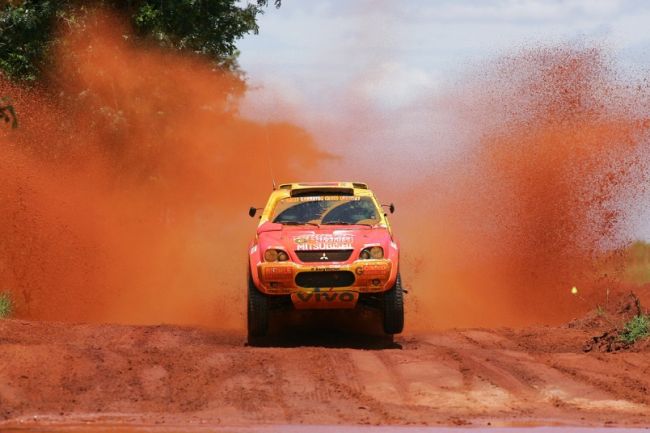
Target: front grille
{"points": [[324, 256], [325, 279]]}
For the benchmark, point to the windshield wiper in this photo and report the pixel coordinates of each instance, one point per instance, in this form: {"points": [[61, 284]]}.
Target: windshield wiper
{"points": [[297, 223]]}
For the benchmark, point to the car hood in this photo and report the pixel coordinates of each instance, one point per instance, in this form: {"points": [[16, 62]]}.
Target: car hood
{"points": [[308, 238]]}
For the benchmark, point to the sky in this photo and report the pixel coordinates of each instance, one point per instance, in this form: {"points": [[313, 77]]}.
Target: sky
{"points": [[317, 58], [311, 48]]}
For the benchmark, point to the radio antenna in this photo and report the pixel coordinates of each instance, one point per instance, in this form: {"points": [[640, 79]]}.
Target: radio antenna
{"points": [[268, 154]]}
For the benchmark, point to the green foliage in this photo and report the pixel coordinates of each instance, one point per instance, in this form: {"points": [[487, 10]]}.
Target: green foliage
{"points": [[206, 27], [637, 328], [6, 305], [25, 31]]}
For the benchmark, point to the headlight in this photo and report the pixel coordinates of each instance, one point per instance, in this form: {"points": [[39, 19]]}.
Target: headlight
{"points": [[273, 255], [377, 253], [372, 253]]}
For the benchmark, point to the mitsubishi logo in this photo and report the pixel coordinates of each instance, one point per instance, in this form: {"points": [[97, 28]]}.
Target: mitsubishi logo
{"points": [[324, 257]]}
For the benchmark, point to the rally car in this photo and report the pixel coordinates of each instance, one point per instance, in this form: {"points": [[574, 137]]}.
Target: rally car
{"points": [[323, 246]]}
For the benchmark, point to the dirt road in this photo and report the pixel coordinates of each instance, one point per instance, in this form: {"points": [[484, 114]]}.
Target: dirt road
{"points": [[53, 372]]}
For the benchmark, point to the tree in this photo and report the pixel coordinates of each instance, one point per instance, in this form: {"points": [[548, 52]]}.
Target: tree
{"points": [[24, 33], [205, 27]]}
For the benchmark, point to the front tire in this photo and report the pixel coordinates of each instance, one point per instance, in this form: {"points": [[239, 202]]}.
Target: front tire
{"points": [[258, 312], [393, 308]]}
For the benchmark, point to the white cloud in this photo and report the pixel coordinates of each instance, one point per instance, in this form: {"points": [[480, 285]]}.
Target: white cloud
{"points": [[518, 10], [392, 85]]}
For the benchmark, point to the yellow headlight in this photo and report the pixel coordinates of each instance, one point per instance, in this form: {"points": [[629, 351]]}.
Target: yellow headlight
{"points": [[271, 255], [372, 253], [377, 252]]}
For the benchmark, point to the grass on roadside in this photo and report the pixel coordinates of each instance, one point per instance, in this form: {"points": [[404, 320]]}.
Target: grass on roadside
{"points": [[6, 305], [636, 329]]}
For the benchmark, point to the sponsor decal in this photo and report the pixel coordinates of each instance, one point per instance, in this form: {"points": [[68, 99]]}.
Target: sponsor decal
{"points": [[321, 198], [324, 269], [376, 269], [283, 273], [323, 242], [372, 271], [317, 296]]}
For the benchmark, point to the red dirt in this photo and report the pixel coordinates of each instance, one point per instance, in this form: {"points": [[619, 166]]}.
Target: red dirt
{"points": [[55, 373]]}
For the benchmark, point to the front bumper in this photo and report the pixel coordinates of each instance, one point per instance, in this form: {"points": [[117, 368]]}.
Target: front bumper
{"points": [[360, 276]]}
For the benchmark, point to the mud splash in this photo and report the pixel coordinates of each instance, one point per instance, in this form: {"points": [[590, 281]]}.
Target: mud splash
{"points": [[540, 199], [124, 192]]}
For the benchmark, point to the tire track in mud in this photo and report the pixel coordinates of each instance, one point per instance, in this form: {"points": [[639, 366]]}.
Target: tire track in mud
{"points": [[167, 374], [596, 372]]}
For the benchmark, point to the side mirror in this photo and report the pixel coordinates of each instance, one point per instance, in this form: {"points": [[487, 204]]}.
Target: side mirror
{"points": [[391, 207], [252, 211]]}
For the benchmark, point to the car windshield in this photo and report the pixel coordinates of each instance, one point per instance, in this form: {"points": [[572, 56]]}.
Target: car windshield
{"points": [[326, 210]]}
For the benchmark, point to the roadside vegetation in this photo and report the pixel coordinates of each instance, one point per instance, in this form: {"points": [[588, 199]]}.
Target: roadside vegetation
{"points": [[620, 316], [30, 29], [637, 271], [636, 329], [6, 305]]}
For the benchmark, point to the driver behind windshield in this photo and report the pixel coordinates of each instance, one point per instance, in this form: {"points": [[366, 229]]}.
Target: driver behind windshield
{"points": [[326, 210]]}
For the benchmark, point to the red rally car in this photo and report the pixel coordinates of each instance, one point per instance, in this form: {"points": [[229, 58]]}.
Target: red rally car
{"points": [[323, 246]]}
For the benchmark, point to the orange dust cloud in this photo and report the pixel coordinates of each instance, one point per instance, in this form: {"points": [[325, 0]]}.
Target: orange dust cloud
{"points": [[123, 194]]}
